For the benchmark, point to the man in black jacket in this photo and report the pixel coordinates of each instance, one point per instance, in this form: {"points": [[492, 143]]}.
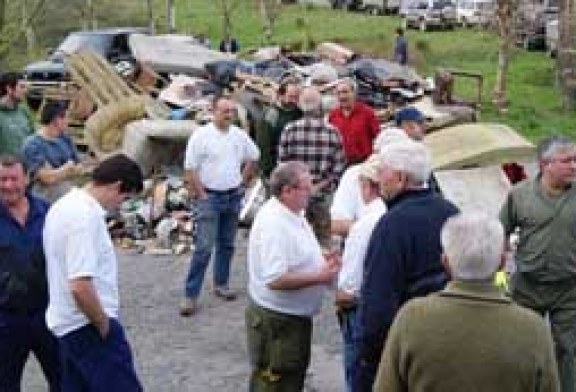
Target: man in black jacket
{"points": [[403, 257]]}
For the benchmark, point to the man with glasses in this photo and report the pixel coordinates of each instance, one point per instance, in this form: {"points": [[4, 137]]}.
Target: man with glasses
{"points": [[288, 275], [220, 160], [543, 210], [16, 123]]}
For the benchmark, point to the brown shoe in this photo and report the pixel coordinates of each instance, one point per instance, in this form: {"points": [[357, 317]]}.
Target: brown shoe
{"points": [[188, 307], [225, 293]]}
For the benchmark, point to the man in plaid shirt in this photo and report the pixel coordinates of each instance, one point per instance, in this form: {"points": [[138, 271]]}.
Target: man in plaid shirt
{"points": [[313, 141]]}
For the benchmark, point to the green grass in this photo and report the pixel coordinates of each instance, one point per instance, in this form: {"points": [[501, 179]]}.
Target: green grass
{"points": [[534, 100]]}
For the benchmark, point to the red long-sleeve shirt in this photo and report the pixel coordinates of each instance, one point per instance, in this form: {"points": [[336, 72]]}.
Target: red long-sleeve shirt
{"points": [[357, 130]]}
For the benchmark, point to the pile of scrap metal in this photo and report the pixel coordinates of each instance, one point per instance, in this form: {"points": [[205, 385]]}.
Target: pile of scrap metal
{"points": [[160, 222], [150, 113]]}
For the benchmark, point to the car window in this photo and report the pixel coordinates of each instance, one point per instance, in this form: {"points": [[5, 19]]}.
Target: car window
{"points": [[120, 44], [75, 42]]}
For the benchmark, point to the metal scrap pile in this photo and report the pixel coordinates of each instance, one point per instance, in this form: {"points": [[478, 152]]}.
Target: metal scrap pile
{"points": [[151, 121]]}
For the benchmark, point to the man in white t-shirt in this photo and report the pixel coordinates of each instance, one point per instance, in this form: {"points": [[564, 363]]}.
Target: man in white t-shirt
{"points": [[220, 160], [350, 277], [83, 284], [347, 203], [288, 275]]}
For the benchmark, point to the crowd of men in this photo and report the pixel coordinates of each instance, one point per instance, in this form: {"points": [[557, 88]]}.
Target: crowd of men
{"points": [[351, 206]]}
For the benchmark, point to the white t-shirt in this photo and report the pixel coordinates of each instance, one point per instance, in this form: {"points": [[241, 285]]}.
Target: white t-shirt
{"points": [[77, 244], [218, 156], [282, 241], [356, 245], [347, 202]]}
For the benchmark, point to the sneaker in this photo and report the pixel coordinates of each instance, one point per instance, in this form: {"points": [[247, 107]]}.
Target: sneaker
{"points": [[225, 293], [188, 307]]}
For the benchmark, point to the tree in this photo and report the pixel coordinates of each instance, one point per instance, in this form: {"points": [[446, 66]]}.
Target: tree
{"points": [[150, 15], [566, 53], [170, 16], [269, 11], [17, 23], [31, 43], [504, 13], [227, 8], [2, 14]]}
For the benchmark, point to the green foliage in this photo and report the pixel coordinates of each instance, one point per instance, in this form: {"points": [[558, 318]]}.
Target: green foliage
{"points": [[534, 109]]}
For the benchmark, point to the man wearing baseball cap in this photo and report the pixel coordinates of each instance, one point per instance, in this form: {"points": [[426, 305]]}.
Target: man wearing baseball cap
{"points": [[412, 121]]}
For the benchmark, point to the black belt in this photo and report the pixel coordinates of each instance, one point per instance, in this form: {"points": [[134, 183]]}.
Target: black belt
{"points": [[224, 192]]}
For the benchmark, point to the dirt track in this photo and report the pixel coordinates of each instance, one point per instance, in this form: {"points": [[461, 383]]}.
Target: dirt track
{"points": [[206, 352]]}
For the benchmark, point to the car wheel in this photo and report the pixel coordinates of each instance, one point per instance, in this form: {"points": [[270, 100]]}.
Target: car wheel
{"points": [[422, 25]]}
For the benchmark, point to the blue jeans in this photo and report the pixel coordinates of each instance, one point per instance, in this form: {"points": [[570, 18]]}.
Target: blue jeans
{"points": [[21, 334], [349, 328], [216, 223], [93, 364]]}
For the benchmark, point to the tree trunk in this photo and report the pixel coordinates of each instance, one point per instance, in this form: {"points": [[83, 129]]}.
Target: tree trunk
{"points": [[504, 20], [2, 14], [269, 13], [150, 13], [566, 53], [226, 9], [93, 22], [31, 47], [170, 16]]}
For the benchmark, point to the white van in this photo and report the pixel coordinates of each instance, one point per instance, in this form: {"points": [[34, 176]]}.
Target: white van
{"points": [[475, 12]]}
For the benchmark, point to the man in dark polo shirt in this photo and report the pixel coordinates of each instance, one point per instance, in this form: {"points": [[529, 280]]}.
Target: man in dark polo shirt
{"points": [[356, 122], [543, 210], [23, 288]]}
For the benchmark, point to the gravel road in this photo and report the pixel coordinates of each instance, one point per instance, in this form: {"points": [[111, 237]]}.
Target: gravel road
{"points": [[207, 351]]}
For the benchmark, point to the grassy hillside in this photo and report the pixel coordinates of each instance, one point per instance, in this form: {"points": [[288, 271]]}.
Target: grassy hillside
{"points": [[534, 109]]}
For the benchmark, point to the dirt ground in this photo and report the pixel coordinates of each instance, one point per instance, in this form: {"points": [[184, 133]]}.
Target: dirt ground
{"points": [[207, 351]]}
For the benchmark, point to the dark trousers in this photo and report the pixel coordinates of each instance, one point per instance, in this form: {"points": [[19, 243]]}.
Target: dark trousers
{"points": [[348, 321], [318, 215], [557, 300], [93, 364], [279, 349], [21, 334]]}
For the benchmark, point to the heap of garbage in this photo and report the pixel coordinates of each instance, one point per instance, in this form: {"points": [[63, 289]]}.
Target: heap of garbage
{"points": [[148, 110]]}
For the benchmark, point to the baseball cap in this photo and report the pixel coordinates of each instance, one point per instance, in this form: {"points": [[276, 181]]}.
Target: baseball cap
{"points": [[408, 114]]}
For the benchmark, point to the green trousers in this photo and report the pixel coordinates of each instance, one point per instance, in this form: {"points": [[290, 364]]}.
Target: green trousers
{"points": [[557, 300], [278, 348]]}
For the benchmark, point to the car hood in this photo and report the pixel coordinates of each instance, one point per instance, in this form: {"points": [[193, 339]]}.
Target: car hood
{"points": [[45, 66]]}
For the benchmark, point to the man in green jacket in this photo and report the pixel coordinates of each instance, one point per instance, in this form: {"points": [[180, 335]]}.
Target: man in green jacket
{"points": [[275, 119], [468, 337], [543, 210], [16, 123]]}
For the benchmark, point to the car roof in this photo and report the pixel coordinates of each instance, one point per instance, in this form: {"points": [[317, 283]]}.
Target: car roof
{"points": [[113, 30]]}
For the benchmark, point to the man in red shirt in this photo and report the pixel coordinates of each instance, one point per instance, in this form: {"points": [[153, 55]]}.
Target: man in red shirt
{"points": [[356, 122]]}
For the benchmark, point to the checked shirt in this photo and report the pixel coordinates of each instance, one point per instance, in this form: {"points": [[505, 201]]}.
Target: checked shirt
{"points": [[316, 143]]}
